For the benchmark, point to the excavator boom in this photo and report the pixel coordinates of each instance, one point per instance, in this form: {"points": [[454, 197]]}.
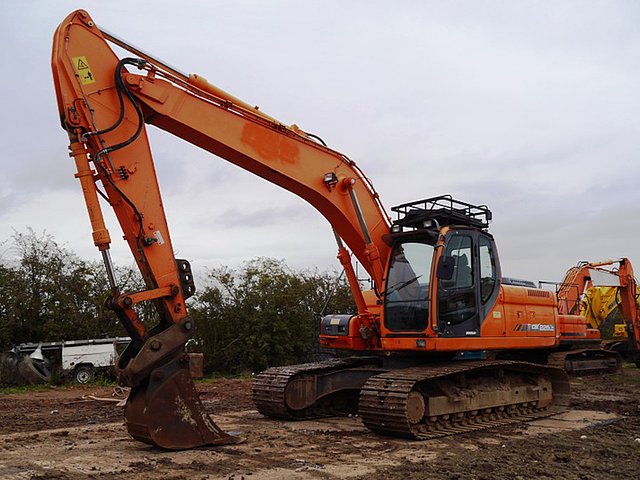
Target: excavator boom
{"points": [[104, 109], [579, 290]]}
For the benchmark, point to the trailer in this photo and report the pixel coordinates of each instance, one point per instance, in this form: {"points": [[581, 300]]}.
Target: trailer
{"points": [[79, 359]]}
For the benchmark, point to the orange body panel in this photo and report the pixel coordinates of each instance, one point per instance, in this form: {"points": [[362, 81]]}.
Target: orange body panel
{"points": [[495, 325], [352, 341], [374, 305], [529, 312], [572, 327], [466, 343]]}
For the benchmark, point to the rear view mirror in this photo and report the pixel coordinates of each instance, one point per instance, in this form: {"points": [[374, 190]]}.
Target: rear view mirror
{"points": [[446, 265]]}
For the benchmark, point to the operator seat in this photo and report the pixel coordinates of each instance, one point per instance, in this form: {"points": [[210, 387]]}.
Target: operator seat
{"points": [[463, 273]]}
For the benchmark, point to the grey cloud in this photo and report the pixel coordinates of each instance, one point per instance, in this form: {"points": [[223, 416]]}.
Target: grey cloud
{"points": [[260, 217], [530, 110]]}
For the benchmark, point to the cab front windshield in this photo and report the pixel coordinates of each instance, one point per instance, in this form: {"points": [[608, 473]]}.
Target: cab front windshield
{"points": [[407, 290]]}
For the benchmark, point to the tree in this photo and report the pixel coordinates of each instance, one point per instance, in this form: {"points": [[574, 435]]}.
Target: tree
{"points": [[262, 315], [49, 294], [13, 296]]}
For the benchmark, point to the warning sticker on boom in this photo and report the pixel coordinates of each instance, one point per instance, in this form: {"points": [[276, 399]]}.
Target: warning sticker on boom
{"points": [[83, 70]]}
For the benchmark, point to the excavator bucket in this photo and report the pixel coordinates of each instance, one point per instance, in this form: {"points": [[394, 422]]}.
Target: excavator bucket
{"points": [[165, 410]]}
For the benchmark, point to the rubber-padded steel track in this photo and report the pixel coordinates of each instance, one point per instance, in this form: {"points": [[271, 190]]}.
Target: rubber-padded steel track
{"points": [[586, 361], [269, 389], [396, 403]]}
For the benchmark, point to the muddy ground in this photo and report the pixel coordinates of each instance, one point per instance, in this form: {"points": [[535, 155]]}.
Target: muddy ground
{"points": [[56, 434]]}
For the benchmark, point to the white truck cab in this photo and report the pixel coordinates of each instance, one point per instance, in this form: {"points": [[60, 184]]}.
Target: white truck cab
{"points": [[80, 359]]}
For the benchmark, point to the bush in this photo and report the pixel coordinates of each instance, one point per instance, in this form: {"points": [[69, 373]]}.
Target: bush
{"points": [[264, 314]]}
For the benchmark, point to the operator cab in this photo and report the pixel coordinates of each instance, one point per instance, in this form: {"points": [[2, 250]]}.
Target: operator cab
{"points": [[446, 239]]}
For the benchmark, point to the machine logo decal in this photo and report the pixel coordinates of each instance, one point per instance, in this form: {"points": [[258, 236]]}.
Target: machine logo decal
{"points": [[83, 70], [534, 327]]}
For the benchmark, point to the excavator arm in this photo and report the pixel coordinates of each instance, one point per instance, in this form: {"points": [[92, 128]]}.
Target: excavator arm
{"points": [[104, 108], [630, 309]]}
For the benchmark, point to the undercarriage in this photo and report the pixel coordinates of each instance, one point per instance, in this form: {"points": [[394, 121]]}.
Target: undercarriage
{"points": [[417, 402]]}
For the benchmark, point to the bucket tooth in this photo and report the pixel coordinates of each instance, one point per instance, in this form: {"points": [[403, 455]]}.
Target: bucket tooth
{"points": [[165, 410]]}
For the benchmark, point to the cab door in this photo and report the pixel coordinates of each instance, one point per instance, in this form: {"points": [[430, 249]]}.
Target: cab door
{"points": [[459, 296], [469, 291]]}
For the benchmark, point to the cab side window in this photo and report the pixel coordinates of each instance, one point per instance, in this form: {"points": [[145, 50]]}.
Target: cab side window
{"points": [[460, 249], [487, 269], [457, 300]]}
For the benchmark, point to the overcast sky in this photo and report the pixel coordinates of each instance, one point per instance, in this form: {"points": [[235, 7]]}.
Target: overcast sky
{"points": [[530, 107]]}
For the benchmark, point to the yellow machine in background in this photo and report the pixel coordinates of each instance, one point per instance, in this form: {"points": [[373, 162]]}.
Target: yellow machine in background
{"points": [[600, 306]]}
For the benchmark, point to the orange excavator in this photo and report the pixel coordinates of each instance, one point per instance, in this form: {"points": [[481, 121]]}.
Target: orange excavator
{"points": [[611, 285], [438, 343]]}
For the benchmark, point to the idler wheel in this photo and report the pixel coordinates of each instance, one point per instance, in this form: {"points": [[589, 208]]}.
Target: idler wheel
{"points": [[415, 407]]}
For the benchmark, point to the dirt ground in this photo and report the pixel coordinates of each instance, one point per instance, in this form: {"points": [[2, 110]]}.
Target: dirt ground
{"points": [[56, 434]]}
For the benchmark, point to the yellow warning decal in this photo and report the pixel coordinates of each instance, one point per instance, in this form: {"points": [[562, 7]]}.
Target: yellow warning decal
{"points": [[83, 69]]}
